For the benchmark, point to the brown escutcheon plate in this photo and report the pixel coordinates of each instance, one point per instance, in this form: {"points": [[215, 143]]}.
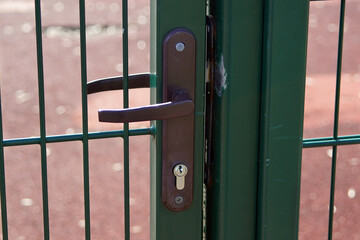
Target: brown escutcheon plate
{"points": [[178, 133]]}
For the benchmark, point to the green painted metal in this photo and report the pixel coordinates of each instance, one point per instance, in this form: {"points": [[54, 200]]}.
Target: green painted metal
{"points": [[77, 137], [336, 118], [191, 219], [232, 192], [282, 105], [329, 141], [165, 16], [260, 59], [126, 125], [85, 128], [4, 222], [40, 69], [85, 136]]}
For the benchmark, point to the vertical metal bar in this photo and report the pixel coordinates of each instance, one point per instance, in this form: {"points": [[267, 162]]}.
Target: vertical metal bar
{"points": [[126, 125], [85, 139], [40, 69], [281, 129], [338, 70], [2, 182], [233, 187], [336, 117], [154, 140], [332, 192]]}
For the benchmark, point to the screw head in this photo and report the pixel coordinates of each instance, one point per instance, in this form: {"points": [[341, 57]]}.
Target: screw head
{"points": [[180, 47], [179, 199]]}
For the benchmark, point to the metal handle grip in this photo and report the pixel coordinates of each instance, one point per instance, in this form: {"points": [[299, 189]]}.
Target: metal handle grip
{"points": [[141, 80], [181, 105]]}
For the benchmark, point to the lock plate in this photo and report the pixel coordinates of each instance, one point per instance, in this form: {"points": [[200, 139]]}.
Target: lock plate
{"points": [[179, 59]]}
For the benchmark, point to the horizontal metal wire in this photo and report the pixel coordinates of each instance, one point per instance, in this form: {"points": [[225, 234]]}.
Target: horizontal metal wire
{"points": [[76, 137], [329, 141]]}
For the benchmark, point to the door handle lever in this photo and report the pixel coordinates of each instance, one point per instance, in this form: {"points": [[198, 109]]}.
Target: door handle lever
{"points": [[180, 105], [177, 110], [141, 80]]}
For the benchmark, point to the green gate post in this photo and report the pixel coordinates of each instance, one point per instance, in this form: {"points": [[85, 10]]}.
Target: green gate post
{"points": [[282, 107], [258, 117], [232, 193]]}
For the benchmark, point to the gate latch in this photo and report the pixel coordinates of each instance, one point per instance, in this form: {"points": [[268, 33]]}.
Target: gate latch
{"points": [[176, 111]]}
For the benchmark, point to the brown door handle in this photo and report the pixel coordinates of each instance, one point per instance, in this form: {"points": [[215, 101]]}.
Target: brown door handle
{"points": [[181, 105], [141, 80], [177, 111]]}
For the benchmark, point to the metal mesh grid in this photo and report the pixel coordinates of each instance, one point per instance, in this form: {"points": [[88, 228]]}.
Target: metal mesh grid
{"points": [[85, 136], [335, 140]]}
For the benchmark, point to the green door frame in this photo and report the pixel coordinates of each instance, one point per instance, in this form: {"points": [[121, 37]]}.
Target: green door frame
{"points": [[258, 118], [282, 113], [232, 191]]}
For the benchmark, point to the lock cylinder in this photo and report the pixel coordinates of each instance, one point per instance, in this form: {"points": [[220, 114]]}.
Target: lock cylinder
{"points": [[180, 172]]}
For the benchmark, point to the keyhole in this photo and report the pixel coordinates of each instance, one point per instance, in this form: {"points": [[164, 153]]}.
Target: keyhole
{"points": [[180, 172]]}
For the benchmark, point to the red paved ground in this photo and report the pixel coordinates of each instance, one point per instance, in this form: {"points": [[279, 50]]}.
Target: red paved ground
{"points": [[63, 115]]}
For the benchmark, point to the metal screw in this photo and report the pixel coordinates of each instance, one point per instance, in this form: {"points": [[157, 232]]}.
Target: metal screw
{"points": [[179, 199], [180, 47]]}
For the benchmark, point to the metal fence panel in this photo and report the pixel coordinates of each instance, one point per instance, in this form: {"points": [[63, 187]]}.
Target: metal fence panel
{"points": [[84, 137]]}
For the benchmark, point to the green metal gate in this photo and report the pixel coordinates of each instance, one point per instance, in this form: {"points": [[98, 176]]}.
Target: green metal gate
{"points": [[164, 222], [243, 112], [84, 137]]}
